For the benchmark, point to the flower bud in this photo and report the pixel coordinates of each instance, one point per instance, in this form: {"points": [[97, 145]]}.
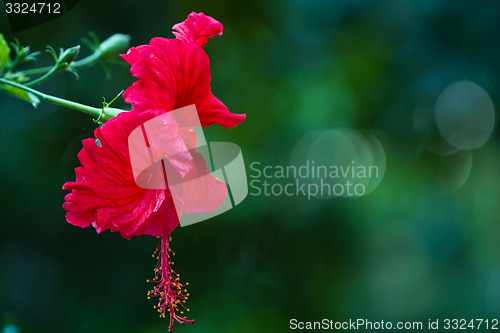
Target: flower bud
{"points": [[115, 44], [68, 55]]}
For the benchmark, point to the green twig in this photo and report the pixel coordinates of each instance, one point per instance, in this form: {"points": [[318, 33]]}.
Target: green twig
{"points": [[87, 61], [42, 78], [104, 113]]}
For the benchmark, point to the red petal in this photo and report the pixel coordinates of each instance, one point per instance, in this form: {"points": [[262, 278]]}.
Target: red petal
{"points": [[212, 110], [105, 193], [197, 28], [172, 74]]}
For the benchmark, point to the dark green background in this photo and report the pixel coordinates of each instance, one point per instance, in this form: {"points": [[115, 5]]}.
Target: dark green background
{"points": [[411, 250]]}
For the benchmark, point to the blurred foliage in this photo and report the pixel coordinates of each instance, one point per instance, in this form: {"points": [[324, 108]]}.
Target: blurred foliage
{"points": [[411, 250]]}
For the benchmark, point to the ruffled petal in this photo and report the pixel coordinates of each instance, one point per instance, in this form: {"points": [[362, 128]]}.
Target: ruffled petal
{"points": [[197, 28], [105, 193], [172, 74], [213, 111]]}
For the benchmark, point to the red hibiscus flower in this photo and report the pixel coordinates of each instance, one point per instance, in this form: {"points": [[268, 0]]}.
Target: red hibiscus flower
{"points": [[172, 74]]}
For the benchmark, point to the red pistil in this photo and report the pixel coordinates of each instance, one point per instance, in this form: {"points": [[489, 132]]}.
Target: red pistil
{"points": [[170, 292]]}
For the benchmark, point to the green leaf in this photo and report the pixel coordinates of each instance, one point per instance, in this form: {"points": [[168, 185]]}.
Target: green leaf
{"points": [[19, 93], [4, 52]]}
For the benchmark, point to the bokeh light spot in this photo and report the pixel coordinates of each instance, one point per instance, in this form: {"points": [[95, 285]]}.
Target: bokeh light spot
{"points": [[465, 115], [359, 160]]}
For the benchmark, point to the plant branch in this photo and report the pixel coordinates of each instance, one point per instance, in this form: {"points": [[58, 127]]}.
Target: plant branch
{"points": [[103, 114]]}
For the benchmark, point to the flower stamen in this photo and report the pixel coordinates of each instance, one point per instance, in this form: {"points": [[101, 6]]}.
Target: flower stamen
{"points": [[168, 289]]}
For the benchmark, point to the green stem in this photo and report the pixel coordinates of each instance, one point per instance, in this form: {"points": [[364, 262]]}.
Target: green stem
{"points": [[103, 115], [42, 78], [75, 64], [87, 60], [38, 70]]}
